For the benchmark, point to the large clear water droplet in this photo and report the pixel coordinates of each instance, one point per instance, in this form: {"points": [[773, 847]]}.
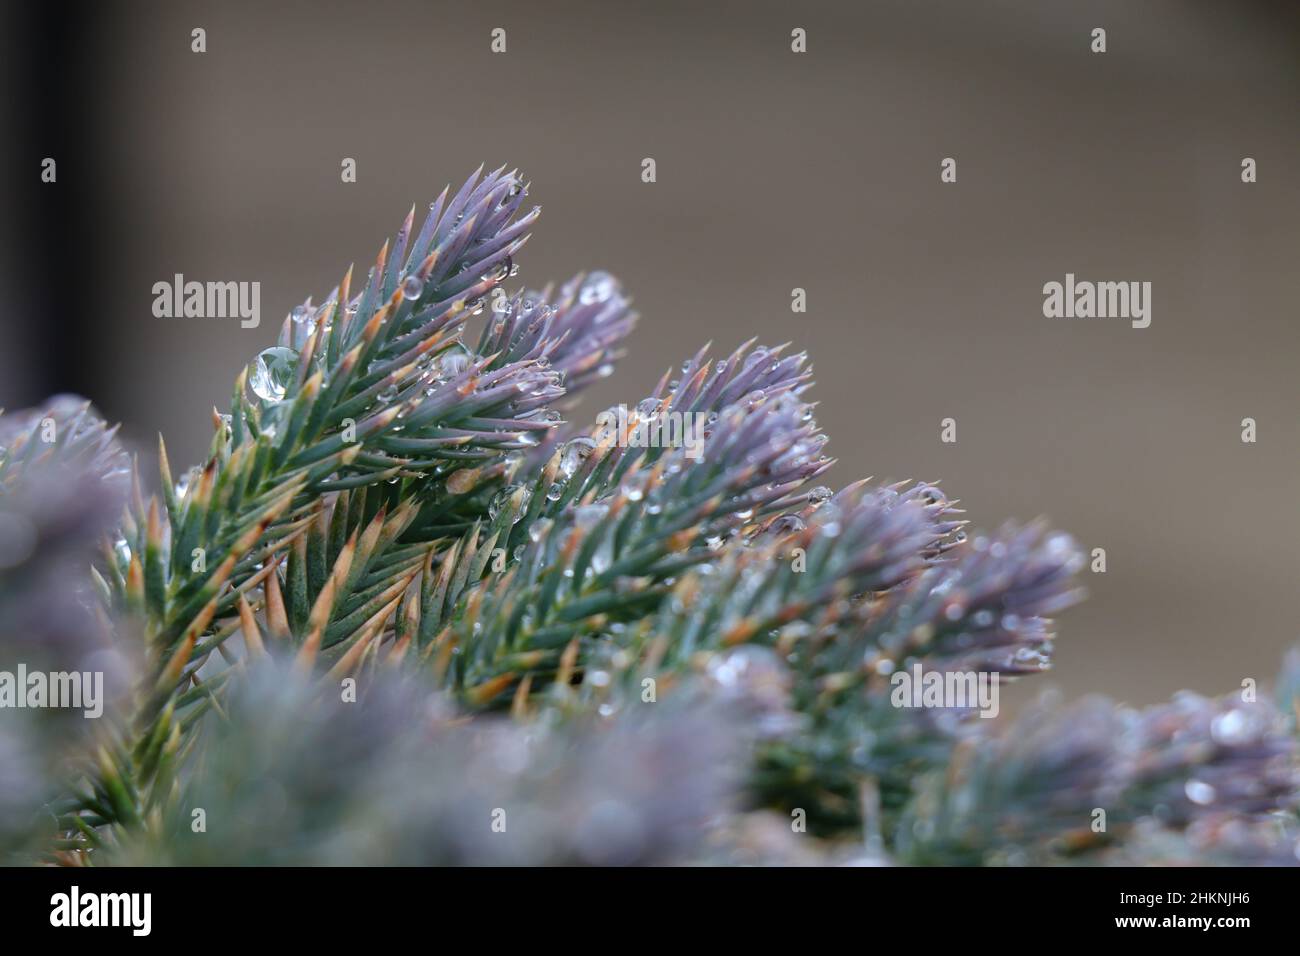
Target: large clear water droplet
{"points": [[499, 501], [574, 453], [503, 498], [412, 287], [272, 372]]}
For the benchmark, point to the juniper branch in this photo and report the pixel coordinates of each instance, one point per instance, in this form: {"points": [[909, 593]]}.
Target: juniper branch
{"points": [[611, 559], [353, 397]]}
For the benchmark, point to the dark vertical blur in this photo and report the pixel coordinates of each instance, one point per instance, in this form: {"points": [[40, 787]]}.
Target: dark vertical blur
{"points": [[56, 242]]}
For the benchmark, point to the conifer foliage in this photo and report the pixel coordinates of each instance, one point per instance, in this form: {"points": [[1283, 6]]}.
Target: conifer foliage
{"points": [[414, 608]]}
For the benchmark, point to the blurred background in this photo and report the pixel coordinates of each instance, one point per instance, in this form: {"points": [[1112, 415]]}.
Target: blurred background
{"points": [[775, 171]]}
